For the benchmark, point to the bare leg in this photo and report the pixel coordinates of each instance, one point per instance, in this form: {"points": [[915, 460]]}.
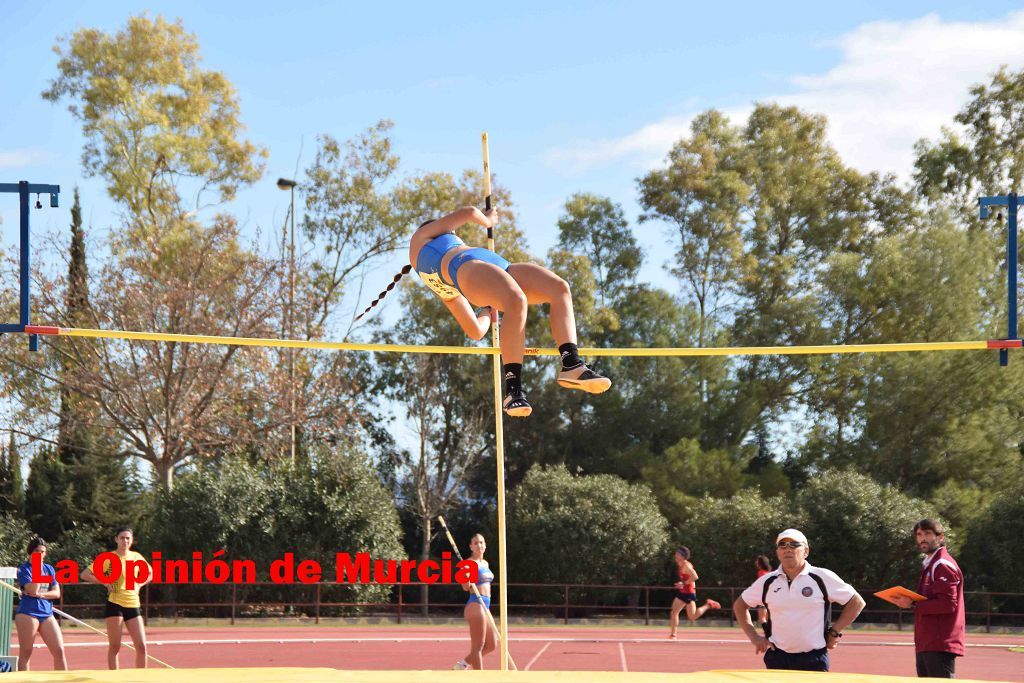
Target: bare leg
{"points": [[54, 639], [137, 630], [474, 614], [485, 284], [693, 613], [544, 287], [113, 641], [541, 286], [27, 628], [489, 642], [673, 620]]}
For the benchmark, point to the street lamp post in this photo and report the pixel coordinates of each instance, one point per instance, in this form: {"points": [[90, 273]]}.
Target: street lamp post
{"points": [[286, 184]]}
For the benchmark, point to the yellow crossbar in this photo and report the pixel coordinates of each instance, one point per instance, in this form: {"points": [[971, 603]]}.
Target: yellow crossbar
{"points": [[824, 349]]}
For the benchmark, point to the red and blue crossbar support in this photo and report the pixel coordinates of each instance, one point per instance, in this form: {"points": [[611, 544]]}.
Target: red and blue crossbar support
{"points": [[24, 189], [1011, 202]]}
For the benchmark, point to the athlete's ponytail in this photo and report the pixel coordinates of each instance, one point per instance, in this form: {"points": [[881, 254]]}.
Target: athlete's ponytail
{"points": [[405, 269]]}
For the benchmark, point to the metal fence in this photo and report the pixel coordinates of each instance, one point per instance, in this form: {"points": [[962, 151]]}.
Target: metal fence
{"points": [[551, 601]]}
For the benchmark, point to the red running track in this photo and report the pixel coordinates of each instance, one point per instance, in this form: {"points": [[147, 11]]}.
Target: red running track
{"points": [[537, 648]]}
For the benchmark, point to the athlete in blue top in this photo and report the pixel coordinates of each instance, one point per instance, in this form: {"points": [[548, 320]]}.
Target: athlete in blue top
{"points": [[481, 635], [464, 277], [35, 611]]}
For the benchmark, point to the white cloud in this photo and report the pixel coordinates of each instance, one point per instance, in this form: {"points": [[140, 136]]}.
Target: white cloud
{"points": [[19, 158], [902, 81], [654, 138], [896, 82], [644, 148]]}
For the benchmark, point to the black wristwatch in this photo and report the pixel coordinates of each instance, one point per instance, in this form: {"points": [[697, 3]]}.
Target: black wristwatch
{"points": [[834, 633]]}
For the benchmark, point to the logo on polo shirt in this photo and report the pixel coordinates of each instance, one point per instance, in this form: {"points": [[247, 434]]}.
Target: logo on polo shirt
{"points": [[806, 592]]}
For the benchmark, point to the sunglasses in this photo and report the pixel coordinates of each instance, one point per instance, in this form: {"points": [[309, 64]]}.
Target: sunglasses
{"points": [[789, 544]]}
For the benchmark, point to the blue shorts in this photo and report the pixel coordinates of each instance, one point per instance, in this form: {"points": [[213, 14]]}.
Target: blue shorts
{"points": [[686, 597], [484, 600], [42, 618], [474, 254]]}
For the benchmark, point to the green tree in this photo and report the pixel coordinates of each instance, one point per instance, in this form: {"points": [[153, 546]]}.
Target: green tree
{"points": [[12, 490], [97, 475], [611, 528], [861, 529], [991, 556], [596, 227], [331, 503], [153, 117], [755, 213], [701, 194], [726, 535], [352, 216], [14, 536], [165, 136], [335, 505], [805, 205], [684, 474], [49, 507], [917, 420], [984, 154]]}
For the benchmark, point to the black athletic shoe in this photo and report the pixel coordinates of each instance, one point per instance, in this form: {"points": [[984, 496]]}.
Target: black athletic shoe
{"points": [[516, 405], [584, 378]]}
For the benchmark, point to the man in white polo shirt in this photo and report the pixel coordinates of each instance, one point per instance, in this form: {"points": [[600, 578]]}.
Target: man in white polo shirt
{"points": [[798, 597]]}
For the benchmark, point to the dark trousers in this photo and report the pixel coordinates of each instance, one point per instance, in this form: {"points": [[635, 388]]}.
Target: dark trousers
{"points": [[815, 660], [936, 665]]}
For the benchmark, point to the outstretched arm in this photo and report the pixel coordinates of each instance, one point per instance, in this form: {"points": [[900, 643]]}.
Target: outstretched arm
{"points": [[447, 224]]}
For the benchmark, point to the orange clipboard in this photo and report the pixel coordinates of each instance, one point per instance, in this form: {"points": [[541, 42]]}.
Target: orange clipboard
{"points": [[899, 592]]}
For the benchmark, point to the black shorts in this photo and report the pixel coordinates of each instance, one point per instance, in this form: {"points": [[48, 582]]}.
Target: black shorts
{"points": [[686, 597], [112, 609], [815, 660]]}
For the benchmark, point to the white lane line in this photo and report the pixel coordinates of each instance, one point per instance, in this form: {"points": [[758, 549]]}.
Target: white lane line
{"points": [[537, 656], [622, 656], [548, 640]]}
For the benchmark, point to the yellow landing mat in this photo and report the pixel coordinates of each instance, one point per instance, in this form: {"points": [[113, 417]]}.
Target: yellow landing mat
{"points": [[298, 675]]}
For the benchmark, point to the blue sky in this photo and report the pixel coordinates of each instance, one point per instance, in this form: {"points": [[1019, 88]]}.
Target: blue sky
{"points": [[578, 97], [575, 96]]}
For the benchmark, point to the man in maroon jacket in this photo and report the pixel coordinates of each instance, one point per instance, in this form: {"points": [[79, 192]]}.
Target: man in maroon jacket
{"points": [[939, 619]]}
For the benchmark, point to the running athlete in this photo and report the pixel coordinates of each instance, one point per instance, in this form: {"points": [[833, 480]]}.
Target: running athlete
{"points": [[464, 277], [686, 592], [481, 635]]}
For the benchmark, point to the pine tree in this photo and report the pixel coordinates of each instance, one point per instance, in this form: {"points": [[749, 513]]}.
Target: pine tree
{"points": [[91, 478], [17, 496], [12, 493], [76, 301], [6, 480], [48, 501]]}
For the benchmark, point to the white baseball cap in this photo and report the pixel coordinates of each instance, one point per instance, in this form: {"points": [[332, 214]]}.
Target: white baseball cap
{"points": [[793, 535]]}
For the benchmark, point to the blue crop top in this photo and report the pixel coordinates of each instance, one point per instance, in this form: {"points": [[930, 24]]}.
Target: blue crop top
{"points": [[484, 574], [40, 608], [428, 264]]}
